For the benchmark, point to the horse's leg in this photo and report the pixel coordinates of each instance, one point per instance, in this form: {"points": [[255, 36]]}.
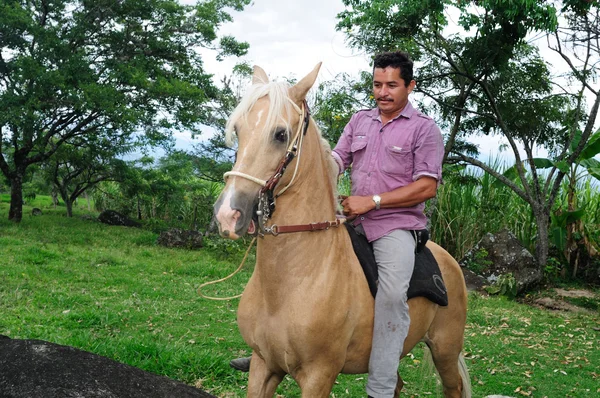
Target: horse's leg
{"points": [[262, 382], [445, 350], [399, 386], [316, 381]]}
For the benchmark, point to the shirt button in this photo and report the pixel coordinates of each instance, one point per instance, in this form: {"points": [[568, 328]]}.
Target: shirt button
{"points": [[362, 218]]}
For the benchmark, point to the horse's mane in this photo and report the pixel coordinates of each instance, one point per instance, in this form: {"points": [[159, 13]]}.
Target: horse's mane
{"points": [[280, 107], [280, 110]]}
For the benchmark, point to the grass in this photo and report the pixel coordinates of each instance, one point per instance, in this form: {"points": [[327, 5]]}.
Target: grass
{"points": [[112, 291]]}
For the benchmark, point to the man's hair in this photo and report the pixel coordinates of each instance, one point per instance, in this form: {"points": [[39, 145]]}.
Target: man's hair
{"points": [[398, 60]]}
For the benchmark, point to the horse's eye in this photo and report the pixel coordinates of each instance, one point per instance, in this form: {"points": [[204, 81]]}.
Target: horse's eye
{"points": [[280, 135]]}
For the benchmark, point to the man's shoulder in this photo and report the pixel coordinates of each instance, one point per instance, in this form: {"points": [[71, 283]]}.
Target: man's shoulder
{"points": [[366, 112], [420, 114]]}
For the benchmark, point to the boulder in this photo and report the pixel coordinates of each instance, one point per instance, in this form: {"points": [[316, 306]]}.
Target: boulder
{"points": [[180, 238], [112, 217], [500, 254], [36, 212], [35, 368]]}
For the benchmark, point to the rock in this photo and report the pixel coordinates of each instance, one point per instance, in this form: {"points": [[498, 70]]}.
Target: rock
{"points": [[474, 282], [180, 238], [112, 217], [36, 212], [35, 368], [500, 254], [498, 396]]}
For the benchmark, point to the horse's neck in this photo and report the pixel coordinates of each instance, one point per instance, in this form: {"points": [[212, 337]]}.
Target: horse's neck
{"points": [[310, 197]]}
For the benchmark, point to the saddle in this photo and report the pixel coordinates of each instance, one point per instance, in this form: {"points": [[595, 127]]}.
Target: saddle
{"points": [[426, 280]]}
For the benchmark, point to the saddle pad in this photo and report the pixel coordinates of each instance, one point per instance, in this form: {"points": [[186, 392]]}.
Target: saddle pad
{"points": [[426, 280]]}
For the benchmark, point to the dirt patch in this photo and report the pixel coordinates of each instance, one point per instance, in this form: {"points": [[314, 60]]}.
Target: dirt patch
{"points": [[557, 305], [575, 293]]}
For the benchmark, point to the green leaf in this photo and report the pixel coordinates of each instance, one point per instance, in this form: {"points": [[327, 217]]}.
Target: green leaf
{"points": [[510, 173], [543, 163], [558, 236], [592, 148]]}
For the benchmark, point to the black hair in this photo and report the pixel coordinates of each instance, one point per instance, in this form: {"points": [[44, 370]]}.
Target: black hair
{"points": [[396, 59]]}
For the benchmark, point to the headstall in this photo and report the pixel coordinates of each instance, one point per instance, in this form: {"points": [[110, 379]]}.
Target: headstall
{"points": [[267, 196]]}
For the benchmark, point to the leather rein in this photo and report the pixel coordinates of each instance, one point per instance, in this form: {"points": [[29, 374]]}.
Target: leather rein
{"points": [[267, 196]]}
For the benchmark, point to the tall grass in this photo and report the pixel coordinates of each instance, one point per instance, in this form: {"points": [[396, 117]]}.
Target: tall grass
{"points": [[469, 205]]}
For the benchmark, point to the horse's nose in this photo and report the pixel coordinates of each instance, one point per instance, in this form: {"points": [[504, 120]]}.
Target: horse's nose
{"points": [[227, 219]]}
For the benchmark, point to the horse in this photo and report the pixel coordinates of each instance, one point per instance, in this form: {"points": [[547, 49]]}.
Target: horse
{"points": [[307, 310]]}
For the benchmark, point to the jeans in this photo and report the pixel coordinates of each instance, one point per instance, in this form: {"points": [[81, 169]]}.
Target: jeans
{"points": [[395, 257]]}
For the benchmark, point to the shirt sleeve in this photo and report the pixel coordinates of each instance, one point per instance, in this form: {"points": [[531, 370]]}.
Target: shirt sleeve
{"points": [[429, 153], [342, 153]]}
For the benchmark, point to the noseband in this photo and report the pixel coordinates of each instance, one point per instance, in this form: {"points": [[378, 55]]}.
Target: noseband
{"points": [[267, 196]]}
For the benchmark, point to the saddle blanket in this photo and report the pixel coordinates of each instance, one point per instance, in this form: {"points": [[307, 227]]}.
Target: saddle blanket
{"points": [[426, 280]]}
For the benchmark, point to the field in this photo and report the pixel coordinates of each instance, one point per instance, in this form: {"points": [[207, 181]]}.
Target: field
{"points": [[114, 292]]}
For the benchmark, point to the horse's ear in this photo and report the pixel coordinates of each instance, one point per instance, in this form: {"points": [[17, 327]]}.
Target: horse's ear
{"points": [[299, 91], [259, 76]]}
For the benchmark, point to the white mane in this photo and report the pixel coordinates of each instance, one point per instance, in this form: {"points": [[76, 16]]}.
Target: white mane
{"points": [[280, 107]]}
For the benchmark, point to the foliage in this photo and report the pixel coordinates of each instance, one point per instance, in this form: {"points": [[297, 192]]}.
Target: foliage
{"points": [[479, 262], [167, 190], [336, 100], [505, 285], [111, 69]]}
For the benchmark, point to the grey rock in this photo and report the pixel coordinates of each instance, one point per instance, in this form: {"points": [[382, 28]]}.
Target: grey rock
{"points": [[36, 212], [112, 217], [180, 238], [35, 368], [501, 254]]}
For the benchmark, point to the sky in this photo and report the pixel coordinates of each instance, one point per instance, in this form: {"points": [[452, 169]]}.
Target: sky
{"points": [[288, 38]]}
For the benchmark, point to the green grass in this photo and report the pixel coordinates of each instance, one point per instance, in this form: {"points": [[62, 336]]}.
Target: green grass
{"points": [[112, 291]]}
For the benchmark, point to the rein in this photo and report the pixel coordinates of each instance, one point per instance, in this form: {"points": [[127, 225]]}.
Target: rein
{"points": [[267, 196]]}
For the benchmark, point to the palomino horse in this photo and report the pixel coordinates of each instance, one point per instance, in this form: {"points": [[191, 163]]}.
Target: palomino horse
{"points": [[307, 310]]}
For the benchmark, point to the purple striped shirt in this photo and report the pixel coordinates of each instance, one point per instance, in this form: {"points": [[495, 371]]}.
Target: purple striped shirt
{"points": [[384, 158]]}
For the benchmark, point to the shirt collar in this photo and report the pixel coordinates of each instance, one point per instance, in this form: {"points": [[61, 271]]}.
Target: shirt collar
{"points": [[407, 112]]}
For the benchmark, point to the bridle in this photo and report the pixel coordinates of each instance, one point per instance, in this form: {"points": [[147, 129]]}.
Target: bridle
{"points": [[267, 196]]}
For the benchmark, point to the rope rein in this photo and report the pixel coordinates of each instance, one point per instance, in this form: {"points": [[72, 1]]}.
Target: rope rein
{"points": [[227, 277]]}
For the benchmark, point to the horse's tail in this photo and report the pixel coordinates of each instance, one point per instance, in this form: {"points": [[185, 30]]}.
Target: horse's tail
{"points": [[464, 375], [463, 371]]}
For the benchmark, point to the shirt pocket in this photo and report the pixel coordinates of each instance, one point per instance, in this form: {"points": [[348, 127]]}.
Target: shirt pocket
{"points": [[358, 149], [397, 162]]}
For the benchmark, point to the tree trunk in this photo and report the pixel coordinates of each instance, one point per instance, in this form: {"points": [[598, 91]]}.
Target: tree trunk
{"points": [[87, 197], [54, 197], [15, 213], [542, 244], [69, 206]]}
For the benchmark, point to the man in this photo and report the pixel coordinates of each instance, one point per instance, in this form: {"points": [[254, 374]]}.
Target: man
{"points": [[396, 155]]}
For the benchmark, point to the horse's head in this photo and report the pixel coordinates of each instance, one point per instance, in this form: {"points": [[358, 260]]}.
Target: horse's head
{"points": [[267, 119]]}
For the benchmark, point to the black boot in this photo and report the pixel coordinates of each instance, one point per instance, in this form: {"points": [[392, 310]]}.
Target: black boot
{"points": [[241, 364]]}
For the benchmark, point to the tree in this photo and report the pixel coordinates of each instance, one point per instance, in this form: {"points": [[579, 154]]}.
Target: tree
{"points": [[336, 100], [78, 166], [75, 68], [489, 80]]}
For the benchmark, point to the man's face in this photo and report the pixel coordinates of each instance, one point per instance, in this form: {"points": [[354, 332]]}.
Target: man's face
{"points": [[389, 90]]}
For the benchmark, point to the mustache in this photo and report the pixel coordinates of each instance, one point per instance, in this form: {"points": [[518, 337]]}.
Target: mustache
{"points": [[384, 99]]}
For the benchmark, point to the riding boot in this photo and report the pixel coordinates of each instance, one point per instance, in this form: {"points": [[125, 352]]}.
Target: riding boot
{"points": [[241, 364]]}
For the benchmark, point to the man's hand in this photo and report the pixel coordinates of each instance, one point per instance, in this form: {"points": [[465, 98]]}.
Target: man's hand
{"points": [[355, 205]]}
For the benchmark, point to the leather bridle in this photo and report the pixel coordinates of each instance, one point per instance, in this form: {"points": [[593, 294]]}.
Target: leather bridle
{"points": [[267, 196]]}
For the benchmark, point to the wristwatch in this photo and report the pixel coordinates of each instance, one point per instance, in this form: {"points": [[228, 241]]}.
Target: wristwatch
{"points": [[377, 200]]}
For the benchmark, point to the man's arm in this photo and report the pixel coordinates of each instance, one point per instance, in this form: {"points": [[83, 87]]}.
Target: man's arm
{"points": [[407, 196]]}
